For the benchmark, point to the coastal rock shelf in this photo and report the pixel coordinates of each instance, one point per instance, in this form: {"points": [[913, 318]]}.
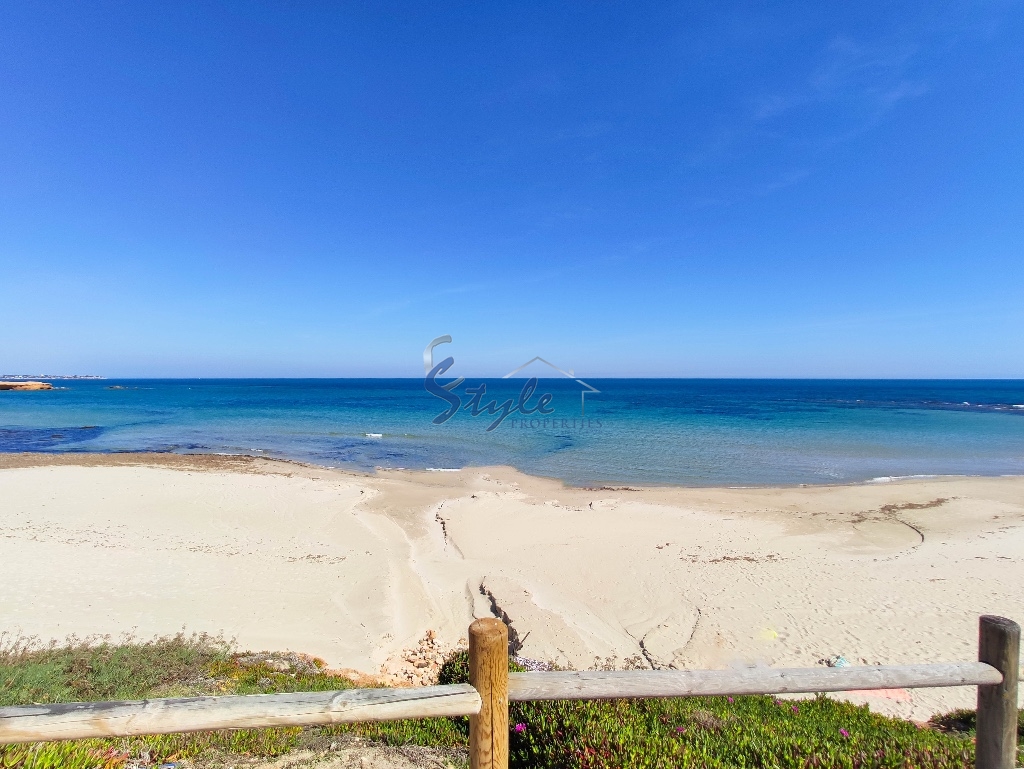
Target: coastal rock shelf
{"points": [[25, 386]]}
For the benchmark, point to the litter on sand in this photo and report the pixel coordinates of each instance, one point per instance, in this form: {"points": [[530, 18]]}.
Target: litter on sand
{"points": [[836, 661]]}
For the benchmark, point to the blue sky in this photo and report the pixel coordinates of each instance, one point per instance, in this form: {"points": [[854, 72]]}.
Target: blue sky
{"points": [[627, 189]]}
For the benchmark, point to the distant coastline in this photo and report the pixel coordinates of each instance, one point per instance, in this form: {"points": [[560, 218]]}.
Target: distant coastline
{"points": [[34, 382], [23, 377]]}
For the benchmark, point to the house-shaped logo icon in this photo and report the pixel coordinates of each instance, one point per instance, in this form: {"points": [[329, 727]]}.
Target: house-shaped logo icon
{"points": [[570, 374]]}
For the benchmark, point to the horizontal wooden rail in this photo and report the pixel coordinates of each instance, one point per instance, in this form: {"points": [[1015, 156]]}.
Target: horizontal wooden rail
{"points": [[614, 684], [35, 723], [486, 701]]}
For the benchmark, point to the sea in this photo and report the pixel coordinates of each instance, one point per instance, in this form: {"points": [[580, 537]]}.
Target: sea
{"points": [[693, 432]]}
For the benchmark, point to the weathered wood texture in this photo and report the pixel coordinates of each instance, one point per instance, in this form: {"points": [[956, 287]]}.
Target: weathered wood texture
{"points": [[999, 646], [164, 716], [488, 672], [486, 699], [598, 685]]}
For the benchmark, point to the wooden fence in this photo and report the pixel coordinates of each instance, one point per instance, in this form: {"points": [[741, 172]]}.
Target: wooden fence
{"points": [[485, 699]]}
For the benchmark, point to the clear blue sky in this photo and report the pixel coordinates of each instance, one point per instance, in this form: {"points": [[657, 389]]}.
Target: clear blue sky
{"points": [[626, 188]]}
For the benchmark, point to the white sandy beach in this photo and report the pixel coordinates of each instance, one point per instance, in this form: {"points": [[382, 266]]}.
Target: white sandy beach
{"points": [[356, 568]]}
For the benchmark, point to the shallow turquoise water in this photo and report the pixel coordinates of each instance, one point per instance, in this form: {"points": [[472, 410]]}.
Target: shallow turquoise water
{"points": [[693, 432]]}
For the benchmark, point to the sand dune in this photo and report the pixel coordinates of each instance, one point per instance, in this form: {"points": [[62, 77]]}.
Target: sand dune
{"points": [[356, 568]]}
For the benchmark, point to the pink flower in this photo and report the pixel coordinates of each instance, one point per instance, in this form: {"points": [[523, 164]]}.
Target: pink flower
{"points": [[520, 728], [844, 732], [796, 709], [730, 700]]}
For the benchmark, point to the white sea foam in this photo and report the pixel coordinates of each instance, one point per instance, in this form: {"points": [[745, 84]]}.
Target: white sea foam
{"points": [[374, 435], [891, 478], [444, 469], [1018, 405]]}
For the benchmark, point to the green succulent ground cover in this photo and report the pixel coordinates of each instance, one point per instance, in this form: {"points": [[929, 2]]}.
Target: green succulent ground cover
{"points": [[692, 732]]}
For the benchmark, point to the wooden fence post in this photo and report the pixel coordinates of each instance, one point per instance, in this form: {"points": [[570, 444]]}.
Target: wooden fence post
{"points": [[488, 673], [999, 646]]}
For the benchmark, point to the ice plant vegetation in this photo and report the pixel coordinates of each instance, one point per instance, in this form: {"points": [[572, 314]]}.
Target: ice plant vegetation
{"points": [[647, 734]]}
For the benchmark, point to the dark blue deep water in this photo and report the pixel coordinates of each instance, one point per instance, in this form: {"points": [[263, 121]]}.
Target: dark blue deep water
{"points": [[681, 431]]}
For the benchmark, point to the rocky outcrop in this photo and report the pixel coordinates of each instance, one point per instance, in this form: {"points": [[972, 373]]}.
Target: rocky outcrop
{"points": [[25, 386], [419, 666]]}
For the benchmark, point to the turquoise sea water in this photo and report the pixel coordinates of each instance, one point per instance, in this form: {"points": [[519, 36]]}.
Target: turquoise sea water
{"points": [[691, 432]]}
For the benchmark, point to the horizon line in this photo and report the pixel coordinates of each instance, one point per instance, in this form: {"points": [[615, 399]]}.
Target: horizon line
{"points": [[97, 378]]}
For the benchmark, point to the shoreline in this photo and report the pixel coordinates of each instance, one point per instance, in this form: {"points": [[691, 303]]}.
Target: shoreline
{"points": [[43, 458], [357, 568]]}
